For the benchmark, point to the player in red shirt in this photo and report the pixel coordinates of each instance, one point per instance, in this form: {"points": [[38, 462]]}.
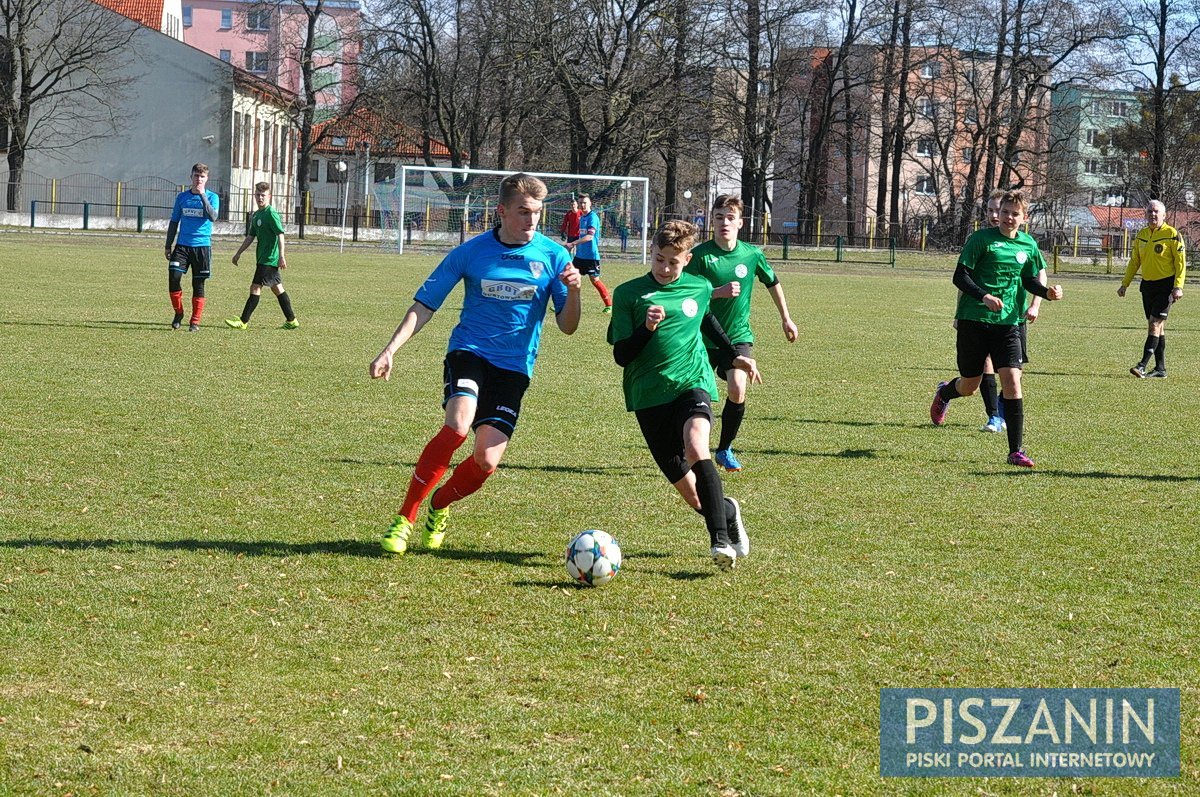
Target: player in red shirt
{"points": [[570, 223]]}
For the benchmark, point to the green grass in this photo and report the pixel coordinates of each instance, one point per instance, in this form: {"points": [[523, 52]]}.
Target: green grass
{"points": [[192, 601]]}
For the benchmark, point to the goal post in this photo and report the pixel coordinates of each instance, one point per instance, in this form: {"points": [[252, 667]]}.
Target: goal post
{"points": [[441, 206]]}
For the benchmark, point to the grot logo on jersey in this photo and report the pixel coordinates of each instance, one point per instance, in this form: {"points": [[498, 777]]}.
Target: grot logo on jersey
{"points": [[741, 271], [507, 291], [690, 308]]}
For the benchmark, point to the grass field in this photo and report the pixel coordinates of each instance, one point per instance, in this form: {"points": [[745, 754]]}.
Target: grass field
{"points": [[192, 600]]}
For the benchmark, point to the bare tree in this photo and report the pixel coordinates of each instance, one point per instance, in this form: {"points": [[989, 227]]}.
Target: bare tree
{"points": [[66, 63]]}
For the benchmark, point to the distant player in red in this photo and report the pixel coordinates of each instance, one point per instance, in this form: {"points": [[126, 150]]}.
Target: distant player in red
{"points": [[570, 223]]}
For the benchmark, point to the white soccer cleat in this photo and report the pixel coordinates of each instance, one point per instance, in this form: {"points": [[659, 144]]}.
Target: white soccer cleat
{"points": [[737, 532], [724, 557]]}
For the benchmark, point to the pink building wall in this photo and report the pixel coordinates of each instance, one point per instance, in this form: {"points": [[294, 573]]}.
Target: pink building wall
{"points": [[227, 29]]}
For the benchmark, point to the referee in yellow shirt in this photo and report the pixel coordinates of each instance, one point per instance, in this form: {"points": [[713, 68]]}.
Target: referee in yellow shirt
{"points": [[1158, 250]]}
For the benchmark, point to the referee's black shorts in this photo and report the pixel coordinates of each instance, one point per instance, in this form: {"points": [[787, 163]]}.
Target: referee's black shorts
{"points": [[1156, 296]]}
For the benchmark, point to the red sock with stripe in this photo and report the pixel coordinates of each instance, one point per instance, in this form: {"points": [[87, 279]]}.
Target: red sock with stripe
{"points": [[177, 302], [431, 467], [603, 290], [466, 479], [197, 309]]}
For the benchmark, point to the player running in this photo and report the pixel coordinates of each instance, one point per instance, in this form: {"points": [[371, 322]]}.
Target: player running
{"points": [[509, 275], [655, 331], [995, 263], [192, 217], [726, 261], [267, 228]]}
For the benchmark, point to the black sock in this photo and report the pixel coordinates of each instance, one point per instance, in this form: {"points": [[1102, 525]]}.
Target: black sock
{"points": [[1149, 348], [949, 390], [248, 310], [285, 304], [987, 389], [1014, 416], [735, 534], [1160, 354], [712, 501], [731, 421]]}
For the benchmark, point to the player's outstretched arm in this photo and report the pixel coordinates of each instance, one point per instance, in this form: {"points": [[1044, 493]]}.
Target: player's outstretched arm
{"points": [[249, 239], [750, 366], [416, 317], [1035, 306], [282, 249], [790, 331]]}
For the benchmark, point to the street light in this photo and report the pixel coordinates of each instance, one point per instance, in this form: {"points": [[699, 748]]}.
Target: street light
{"points": [[341, 167]]}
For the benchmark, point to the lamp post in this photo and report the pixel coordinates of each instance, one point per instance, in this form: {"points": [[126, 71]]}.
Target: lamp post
{"points": [[341, 167], [364, 154]]}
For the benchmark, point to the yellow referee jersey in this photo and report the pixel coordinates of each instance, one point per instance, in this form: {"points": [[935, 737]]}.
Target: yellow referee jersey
{"points": [[1159, 254]]}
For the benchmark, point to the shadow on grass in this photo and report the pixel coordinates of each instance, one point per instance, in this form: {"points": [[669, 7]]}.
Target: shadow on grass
{"points": [[515, 558], [249, 548], [579, 470], [690, 575], [90, 324], [1103, 474], [856, 424]]}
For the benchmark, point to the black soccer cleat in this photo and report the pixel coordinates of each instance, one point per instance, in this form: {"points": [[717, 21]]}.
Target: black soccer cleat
{"points": [[176, 321]]}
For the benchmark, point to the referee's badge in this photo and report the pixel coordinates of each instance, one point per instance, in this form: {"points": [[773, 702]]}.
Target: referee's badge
{"points": [[1022, 257], [741, 271], [535, 267], [1158, 249]]}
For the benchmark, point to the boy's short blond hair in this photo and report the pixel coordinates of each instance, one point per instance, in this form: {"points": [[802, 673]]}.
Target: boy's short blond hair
{"points": [[200, 168], [677, 234], [730, 201], [521, 185], [1017, 198], [260, 188]]}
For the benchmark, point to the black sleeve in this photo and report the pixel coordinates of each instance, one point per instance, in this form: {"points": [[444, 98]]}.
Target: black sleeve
{"points": [[715, 332], [1031, 284], [172, 228], [209, 213], [626, 351], [963, 281]]}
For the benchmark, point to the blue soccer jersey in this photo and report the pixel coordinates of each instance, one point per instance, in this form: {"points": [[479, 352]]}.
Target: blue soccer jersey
{"points": [[506, 289], [194, 227], [591, 249]]}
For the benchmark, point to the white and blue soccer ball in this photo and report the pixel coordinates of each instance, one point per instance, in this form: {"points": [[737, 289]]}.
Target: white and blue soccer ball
{"points": [[593, 558]]}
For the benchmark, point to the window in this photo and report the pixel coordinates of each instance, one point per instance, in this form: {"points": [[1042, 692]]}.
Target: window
{"points": [[1095, 107], [1091, 166], [335, 175], [414, 179], [314, 170], [386, 144], [1093, 137], [237, 137], [338, 141], [926, 147], [384, 171], [925, 186], [283, 148], [267, 147], [925, 106], [931, 69], [227, 56], [226, 18], [246, 133], [968, 154], [1119, 108], [187, 16], [256, 62], [1113, 167], [258, 19]]}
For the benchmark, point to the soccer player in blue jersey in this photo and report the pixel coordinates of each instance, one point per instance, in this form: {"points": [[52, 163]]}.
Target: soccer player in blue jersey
{"points": [[587, 249], [509, 275], [192, 217]]}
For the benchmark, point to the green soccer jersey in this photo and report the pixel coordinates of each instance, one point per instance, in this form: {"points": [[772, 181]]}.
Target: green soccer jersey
{"points": [[997, 265], [266, 227], [741, 265], [674, 361]]}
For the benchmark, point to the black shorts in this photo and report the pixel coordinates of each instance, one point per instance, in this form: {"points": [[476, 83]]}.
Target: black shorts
{"points": [[977, 341], [266, 276], [589, 268], [1024, 328], [740, 350], [498, 391], [1156, 296], [662, 426], [195, 257]]}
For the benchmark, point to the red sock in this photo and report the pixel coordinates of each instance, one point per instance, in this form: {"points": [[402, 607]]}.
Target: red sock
{"points": [[197, 309], [603, 292], [177, 301], [431, 467], [466, 479]]}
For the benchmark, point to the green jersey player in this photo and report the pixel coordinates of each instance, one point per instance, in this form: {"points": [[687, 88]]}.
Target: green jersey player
{"points": [[655, 331]]}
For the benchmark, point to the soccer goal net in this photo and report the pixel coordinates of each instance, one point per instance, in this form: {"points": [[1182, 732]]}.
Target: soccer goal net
{"points": [[436, 208]]}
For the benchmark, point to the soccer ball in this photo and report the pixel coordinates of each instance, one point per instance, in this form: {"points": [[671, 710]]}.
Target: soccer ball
{"points": [[593, 558]]}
